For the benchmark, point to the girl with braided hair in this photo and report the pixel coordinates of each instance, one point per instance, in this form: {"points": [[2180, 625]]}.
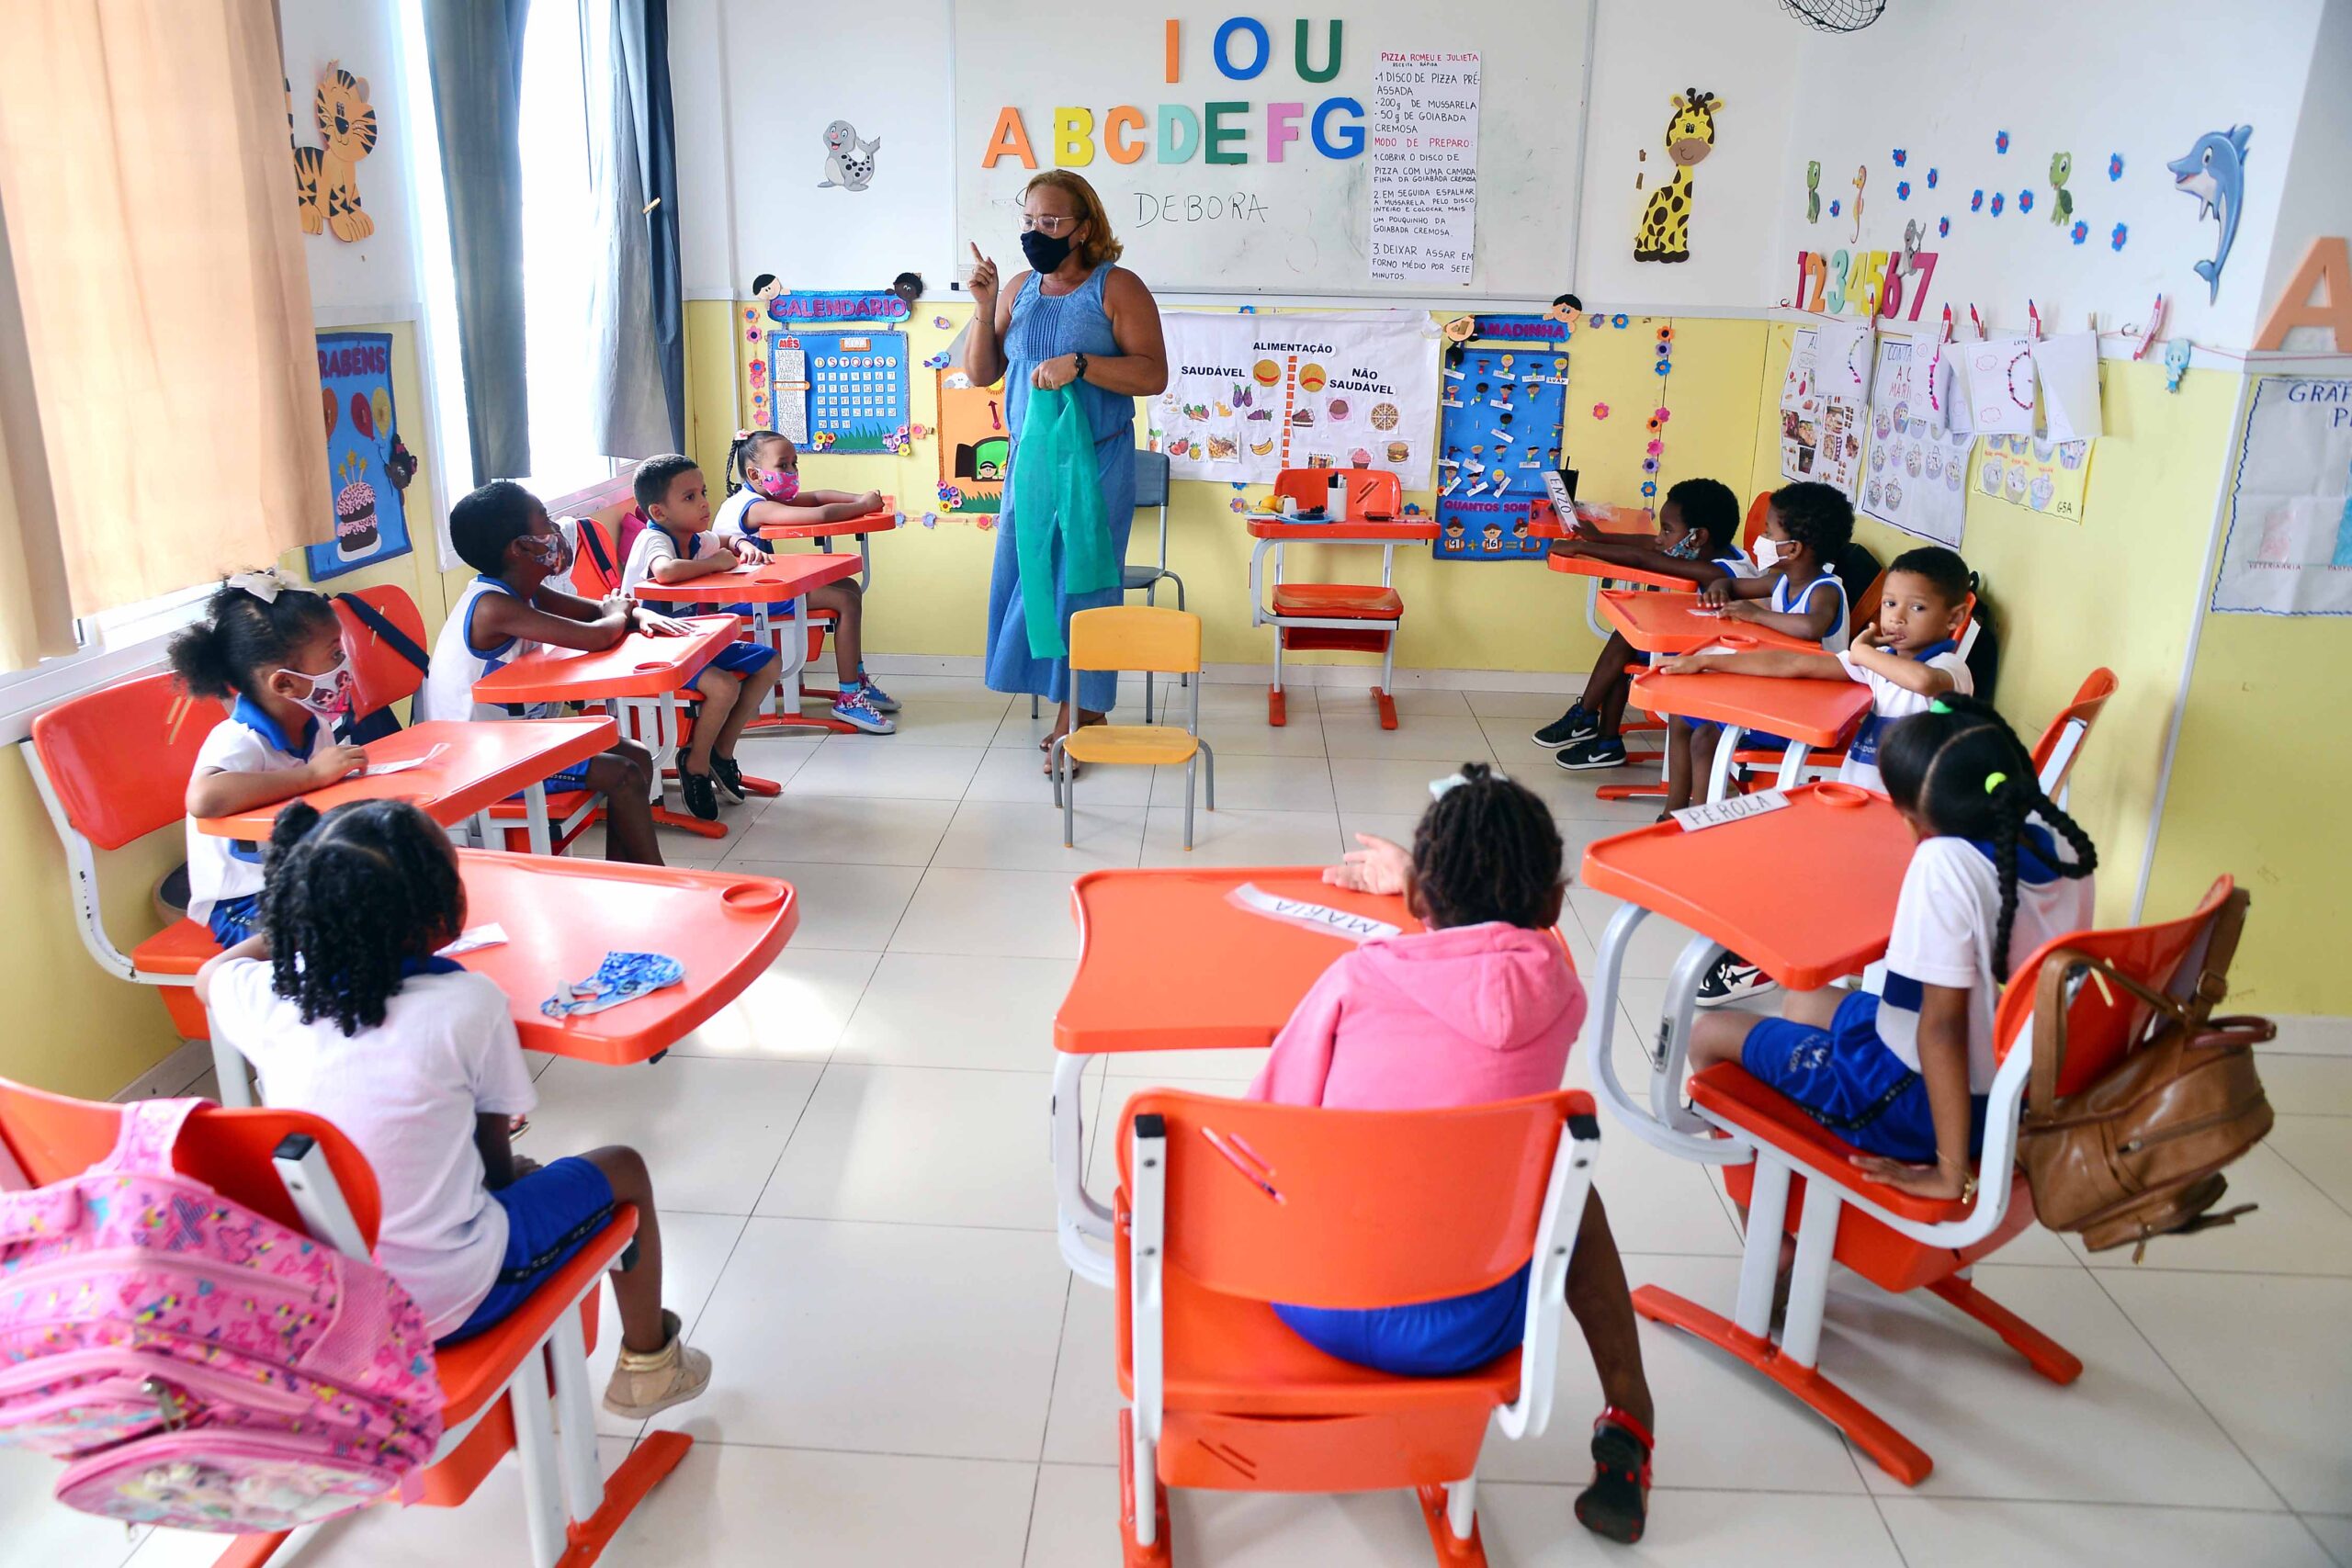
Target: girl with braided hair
{"points": [[1479, 1007], [344, 1010], [1900, 1069]]}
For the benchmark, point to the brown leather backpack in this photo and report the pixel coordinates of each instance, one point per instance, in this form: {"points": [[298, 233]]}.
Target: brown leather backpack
{"points": [[2138, 1153]]}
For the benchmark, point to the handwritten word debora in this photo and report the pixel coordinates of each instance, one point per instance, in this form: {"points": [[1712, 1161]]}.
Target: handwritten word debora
{"points": [[1240, 207], [1218, 131]]}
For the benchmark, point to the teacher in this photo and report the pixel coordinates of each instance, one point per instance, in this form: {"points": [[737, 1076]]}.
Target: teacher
{"points": [[1073, 321]]}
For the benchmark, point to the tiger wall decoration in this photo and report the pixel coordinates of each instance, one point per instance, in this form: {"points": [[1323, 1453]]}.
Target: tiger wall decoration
{"points": [[326, 183]]}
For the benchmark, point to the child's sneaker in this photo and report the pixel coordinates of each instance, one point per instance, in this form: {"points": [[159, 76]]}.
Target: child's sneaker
{"points": [[645, 1383], [883, 701], [1733, 978], [730, 775], [1592, 752], [1576, 724], [702, 798], [1617, 1502], [855, 706]]}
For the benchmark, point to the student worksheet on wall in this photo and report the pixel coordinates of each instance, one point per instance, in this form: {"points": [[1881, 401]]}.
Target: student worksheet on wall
{"points": [[1235, 154]]}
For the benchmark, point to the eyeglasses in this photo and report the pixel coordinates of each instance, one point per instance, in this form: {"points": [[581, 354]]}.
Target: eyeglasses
{"points": [[1055, 227]]}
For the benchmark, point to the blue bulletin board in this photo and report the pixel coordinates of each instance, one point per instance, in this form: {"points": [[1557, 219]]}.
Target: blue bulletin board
{"points": [[361, 429], [840, 391], [1501, 396]]}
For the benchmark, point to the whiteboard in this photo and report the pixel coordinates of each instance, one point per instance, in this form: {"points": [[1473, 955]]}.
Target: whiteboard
{"points": [[1297, 226]]}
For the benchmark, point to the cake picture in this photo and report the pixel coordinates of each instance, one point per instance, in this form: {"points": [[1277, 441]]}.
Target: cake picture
{"points": [[1398, 452], [355, 512], [1384, 416], [1360, 458], [1302, 418]]}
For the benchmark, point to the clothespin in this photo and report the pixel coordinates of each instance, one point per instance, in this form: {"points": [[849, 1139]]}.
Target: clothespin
{"points": [[1946, 337], [1975, 319], [2033, 314], [2147, 334]]}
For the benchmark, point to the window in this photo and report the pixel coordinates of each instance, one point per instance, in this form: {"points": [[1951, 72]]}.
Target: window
{"points": [[566, 46]]}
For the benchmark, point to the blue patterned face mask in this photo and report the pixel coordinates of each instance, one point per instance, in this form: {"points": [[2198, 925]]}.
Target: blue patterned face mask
{"points": [[1687, 547], [623, 976]]}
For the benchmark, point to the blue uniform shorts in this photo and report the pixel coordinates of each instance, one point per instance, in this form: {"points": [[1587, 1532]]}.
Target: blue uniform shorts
{"points": [[1426, 1339], [550, 1215], [1847, 1079]]}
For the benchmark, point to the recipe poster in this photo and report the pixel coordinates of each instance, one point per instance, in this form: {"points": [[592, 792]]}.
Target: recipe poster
{"points": [[1252, 394]]}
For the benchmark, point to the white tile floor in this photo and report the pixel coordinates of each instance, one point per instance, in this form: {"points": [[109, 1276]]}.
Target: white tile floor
{"points": [[851, 1163]]}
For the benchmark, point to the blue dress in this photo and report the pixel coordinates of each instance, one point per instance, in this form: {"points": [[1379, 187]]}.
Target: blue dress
{"points": [[1045, 328]]}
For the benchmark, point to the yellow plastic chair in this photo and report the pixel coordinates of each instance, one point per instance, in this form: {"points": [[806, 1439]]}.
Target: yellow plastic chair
{"points": [[1135, 637]]}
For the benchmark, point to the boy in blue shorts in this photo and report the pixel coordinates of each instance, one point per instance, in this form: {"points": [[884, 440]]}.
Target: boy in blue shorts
{"points": [[678, 547]]}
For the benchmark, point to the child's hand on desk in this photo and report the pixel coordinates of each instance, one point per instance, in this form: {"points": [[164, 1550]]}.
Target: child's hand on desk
{"points": [[869, 503], [661, 626], [1717, 593], [1685, 664], [335, 762], [1937, 1180], [1378, 867], [746, 552], [1569, 545]]}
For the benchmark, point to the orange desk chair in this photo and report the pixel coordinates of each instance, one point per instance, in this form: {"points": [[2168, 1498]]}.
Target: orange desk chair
{"points": [[1793, 1176], [1359, 617], [383, 674], [303, 1173], [2062, 743], [1226, 1205], [1134, 637]]}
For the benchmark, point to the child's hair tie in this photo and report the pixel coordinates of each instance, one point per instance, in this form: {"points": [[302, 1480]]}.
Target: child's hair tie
{"points": [[741, 437], [1939, 705], [1438, 787], [265, 585], [1994, 781]]}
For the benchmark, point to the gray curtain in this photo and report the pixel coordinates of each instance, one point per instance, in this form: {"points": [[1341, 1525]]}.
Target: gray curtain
{"points": [[475, 49], [636, 330]]}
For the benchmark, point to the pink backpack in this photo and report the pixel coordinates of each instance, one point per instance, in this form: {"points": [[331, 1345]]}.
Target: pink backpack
{"points": [[198, 1365]]}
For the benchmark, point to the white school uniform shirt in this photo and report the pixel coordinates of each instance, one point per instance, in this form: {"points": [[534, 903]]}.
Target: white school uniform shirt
{"points": [[1945, 918], [1891, 701], [1789, 602], [249, 741], [732, 518], [449, 689], [406, 1093], [655, 546]]}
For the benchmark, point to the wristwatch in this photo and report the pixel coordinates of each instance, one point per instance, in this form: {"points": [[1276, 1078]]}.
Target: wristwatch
{"points": [[1078, 368]]}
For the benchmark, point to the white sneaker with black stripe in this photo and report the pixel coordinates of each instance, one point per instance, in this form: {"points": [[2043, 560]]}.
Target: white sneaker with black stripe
{"points": [[1733, 978]]}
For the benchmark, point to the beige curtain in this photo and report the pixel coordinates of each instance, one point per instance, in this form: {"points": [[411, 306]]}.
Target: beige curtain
{"points": [[148, 190]]}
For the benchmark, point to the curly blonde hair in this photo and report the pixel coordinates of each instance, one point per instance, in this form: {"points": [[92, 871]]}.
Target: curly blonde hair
{"points": [[1100, 245]]}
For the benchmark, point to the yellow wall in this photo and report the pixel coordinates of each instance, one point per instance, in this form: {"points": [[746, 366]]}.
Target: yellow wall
{"points": [[2260, 759], [931, 585], [91, 1033]]}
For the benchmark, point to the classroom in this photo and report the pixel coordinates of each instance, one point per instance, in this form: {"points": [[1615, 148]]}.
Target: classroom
{"points": [[1618, 712]]}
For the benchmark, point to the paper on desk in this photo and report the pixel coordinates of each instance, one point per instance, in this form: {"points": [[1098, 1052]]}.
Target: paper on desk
{"points": [[1314, 917], [489, 934], [1715, 813], [379, 769]]}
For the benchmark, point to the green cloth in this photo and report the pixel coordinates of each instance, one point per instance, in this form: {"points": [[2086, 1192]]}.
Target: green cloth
{"points": [[1058, 488]]}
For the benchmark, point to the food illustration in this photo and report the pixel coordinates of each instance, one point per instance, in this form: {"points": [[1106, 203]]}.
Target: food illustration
{"points": [[1337, 407], [1911, 462], [1260, 413], [2044, 488], [1319, 461], [2016, 481], [1384, 416], [1302, 418], [1224, 410], [1266, 372], [355, 507], [1310, 378], [1398, 452], [1260, 449], [1360, 458], [1224, 449], [328, 394]]}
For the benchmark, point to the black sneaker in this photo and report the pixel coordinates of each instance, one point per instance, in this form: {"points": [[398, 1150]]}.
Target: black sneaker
{"points": [[1617, 1503], [1593, 753], [729, 776], [702, 798], [1732, 979], [1576, 724]]}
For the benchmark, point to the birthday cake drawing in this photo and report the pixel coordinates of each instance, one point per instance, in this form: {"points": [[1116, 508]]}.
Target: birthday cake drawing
{"points": [[355, 510]]}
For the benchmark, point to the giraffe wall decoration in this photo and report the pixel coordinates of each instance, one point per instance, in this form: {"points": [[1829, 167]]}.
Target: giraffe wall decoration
{"points": [[1665, 231]]}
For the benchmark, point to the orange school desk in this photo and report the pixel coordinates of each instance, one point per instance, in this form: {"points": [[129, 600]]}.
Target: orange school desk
{"points": [[882, 519], [1361, 616], [477, 765], [1809, 713], [1805, 892], [763, 586], [1167, 961], [1674, 623], [638, 679]]}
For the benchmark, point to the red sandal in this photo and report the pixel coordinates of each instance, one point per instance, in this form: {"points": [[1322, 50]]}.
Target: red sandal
{"points": [[1617, 1503]]}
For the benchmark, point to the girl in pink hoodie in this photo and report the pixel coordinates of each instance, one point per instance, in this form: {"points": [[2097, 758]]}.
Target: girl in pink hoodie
{"points": [[1480, 1007]]}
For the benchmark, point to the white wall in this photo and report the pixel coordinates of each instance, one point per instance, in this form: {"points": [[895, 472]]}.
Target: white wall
{"points": [[1940, 79], [2317, 198], [374, 279], [1644, 52]]}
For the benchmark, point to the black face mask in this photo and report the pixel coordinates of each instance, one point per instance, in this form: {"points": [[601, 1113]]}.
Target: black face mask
{"points": [[1044, 252]]}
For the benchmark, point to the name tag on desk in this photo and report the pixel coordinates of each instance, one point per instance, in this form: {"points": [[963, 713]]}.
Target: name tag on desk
{"points": [[1738, 808], [1314, 917]]}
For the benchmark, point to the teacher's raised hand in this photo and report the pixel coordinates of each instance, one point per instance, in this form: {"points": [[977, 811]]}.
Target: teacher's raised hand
{"points": [[982, 285]]}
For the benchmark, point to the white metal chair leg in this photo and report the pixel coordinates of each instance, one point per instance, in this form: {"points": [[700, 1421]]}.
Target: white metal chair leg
{"points": [[1211, 755], [1718, 770], [236, 1087], [1143, 1458], [534, 1449], [1760, 1263], [1809, 1278], [1461, 1507], [1065, 791], [583, 1481]]}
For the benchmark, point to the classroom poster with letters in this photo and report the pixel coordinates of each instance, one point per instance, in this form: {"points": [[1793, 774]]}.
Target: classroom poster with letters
{"points": [[355, 391], [2288, 551], [1916, 474], [1250, 395], [1824, 398]]}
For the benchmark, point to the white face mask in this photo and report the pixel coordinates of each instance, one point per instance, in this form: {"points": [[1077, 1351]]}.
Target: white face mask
{"points": [[329, 692], [1768, 550]]}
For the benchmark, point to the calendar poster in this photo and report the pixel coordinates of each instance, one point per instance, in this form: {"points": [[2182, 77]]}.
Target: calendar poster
{"points": [[843, 391]]}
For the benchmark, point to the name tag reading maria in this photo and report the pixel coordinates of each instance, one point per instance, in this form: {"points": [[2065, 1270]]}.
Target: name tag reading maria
{"points": [[1313, 917]]}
